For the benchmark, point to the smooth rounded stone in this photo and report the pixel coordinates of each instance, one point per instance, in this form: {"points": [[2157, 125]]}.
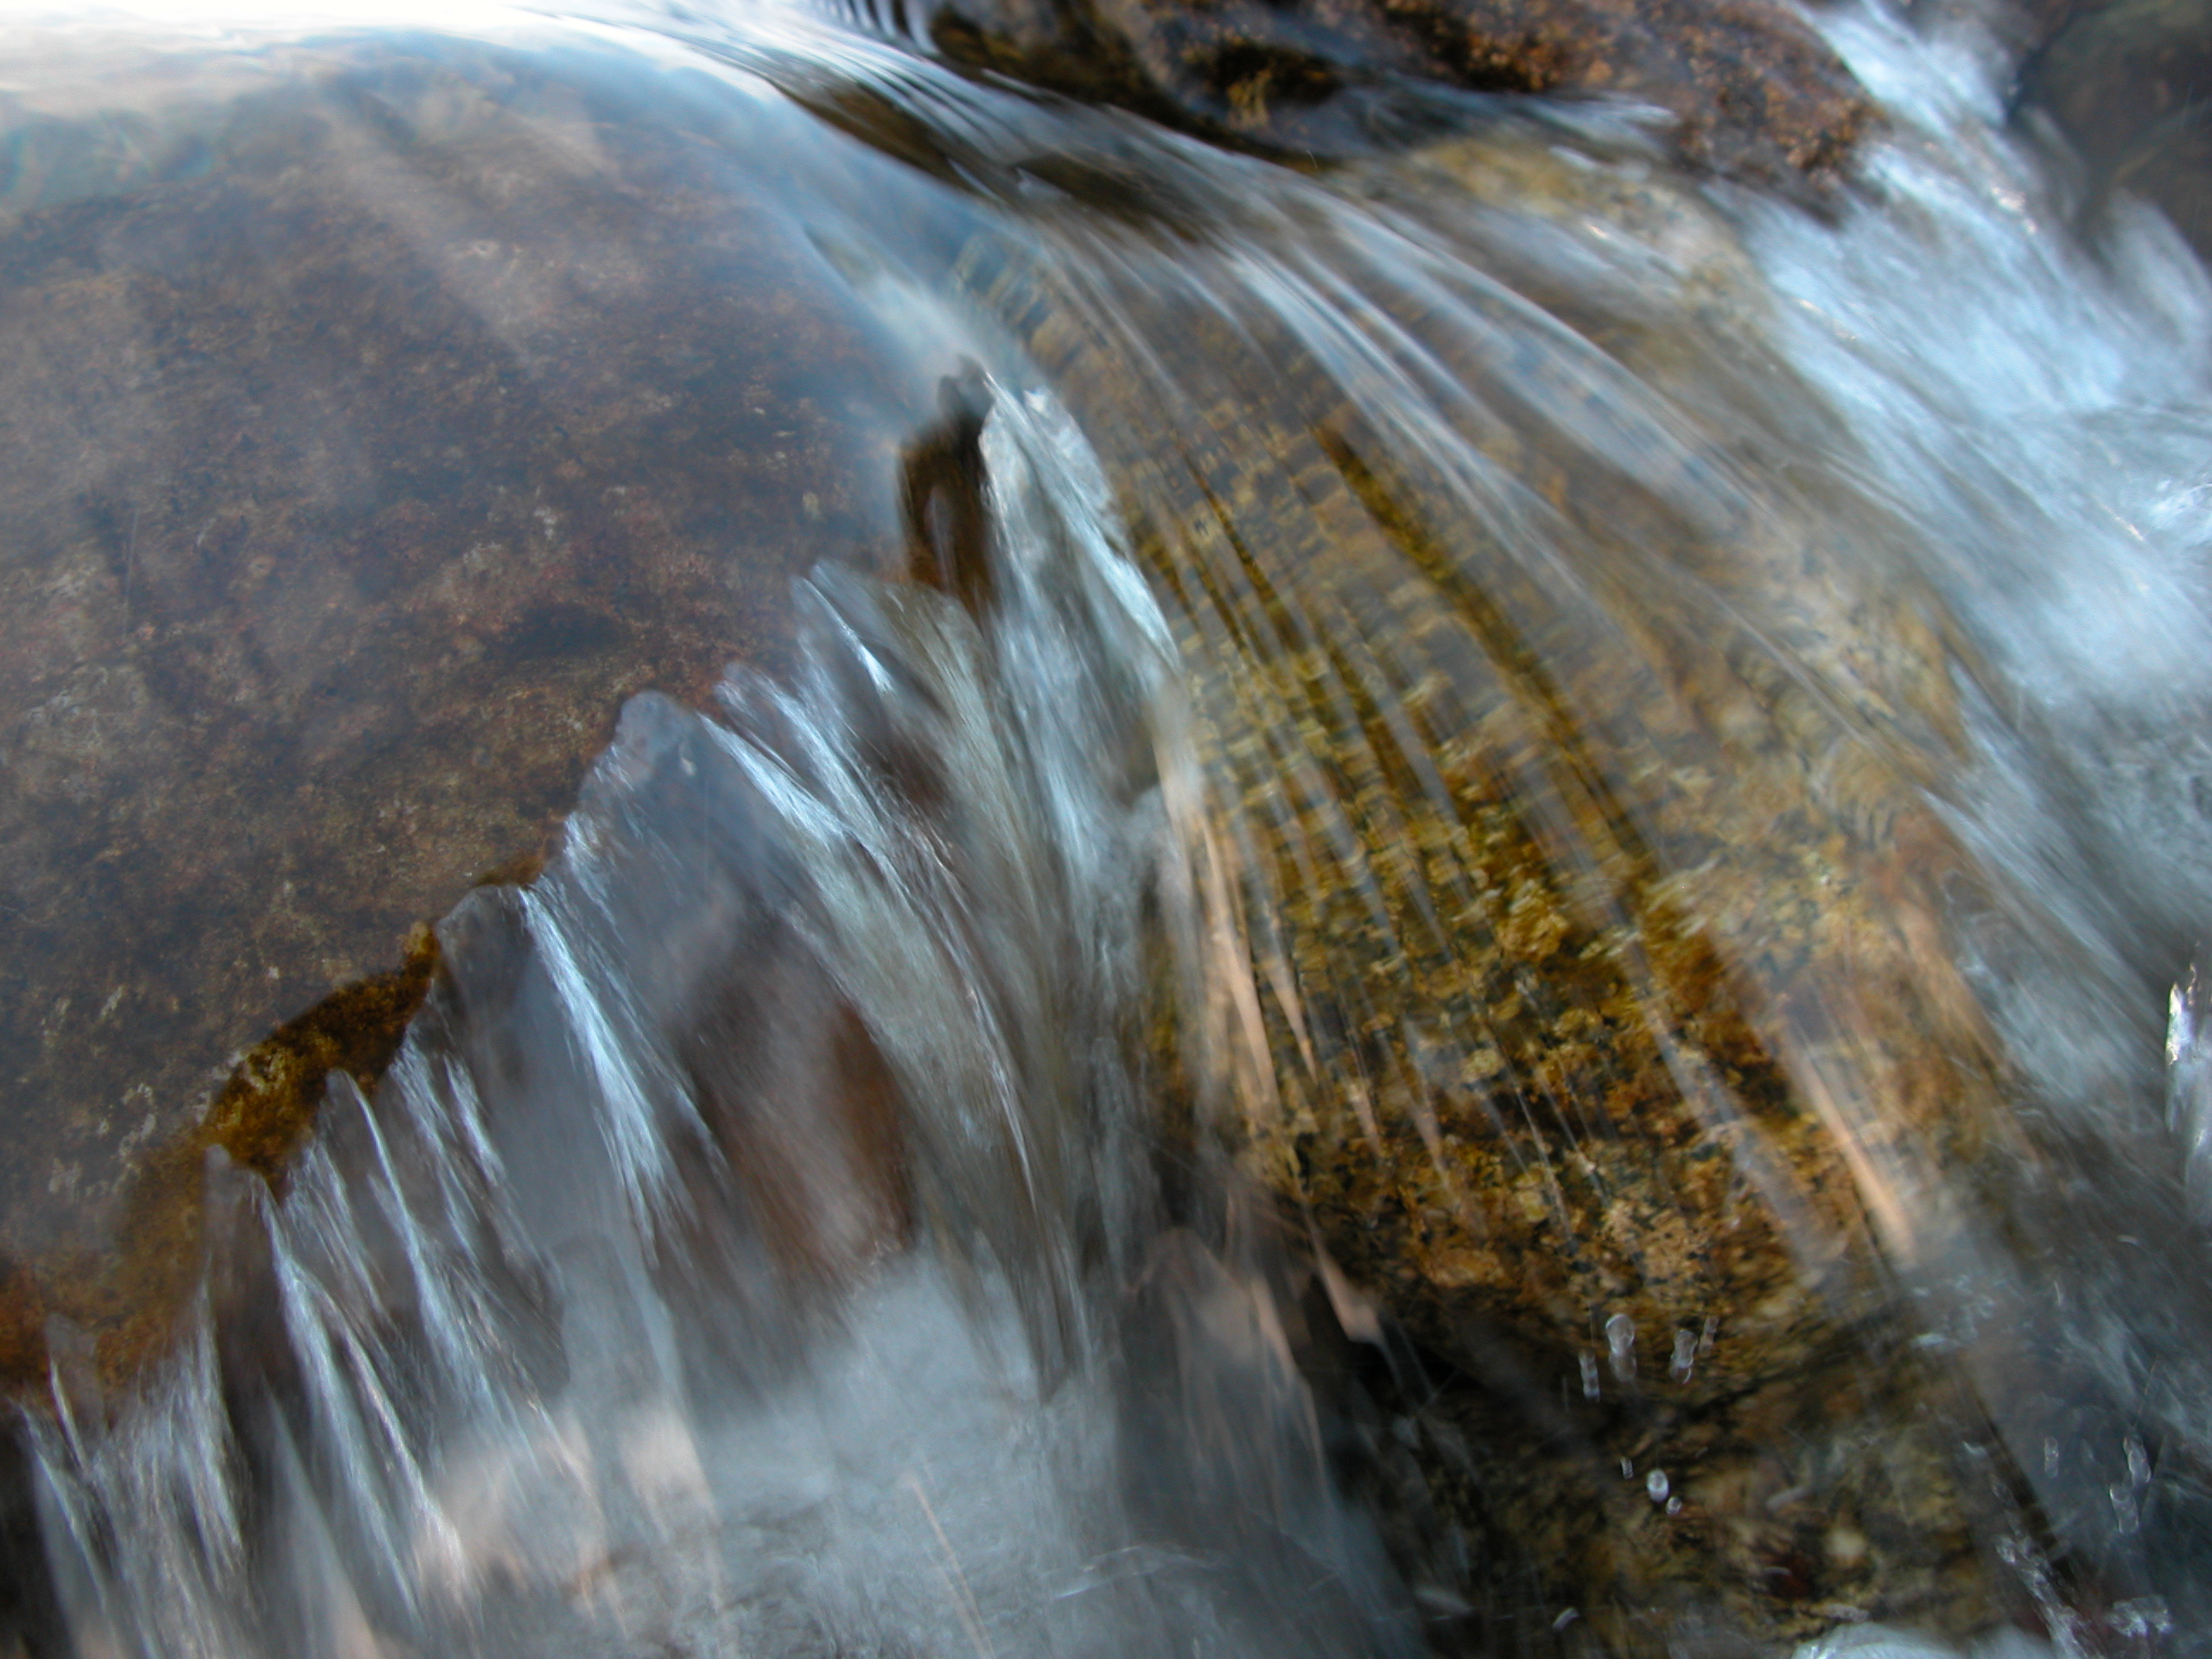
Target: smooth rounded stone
{"points": [[380, 417], [1747, 87], [1578, 971], [2124, 84]]}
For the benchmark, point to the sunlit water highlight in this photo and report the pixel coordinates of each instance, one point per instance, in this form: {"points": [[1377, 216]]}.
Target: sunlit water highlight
{"points": [[825, 1213]]}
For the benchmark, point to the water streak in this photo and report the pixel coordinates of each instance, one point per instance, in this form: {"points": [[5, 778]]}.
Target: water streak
{"points": [[1531, 760]]}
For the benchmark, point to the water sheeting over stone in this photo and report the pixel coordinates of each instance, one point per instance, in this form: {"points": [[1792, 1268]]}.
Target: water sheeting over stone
{"points": [[1477, 956]]}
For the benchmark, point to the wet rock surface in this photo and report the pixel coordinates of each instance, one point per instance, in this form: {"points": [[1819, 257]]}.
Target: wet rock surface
{"points": [[1581, 997], [2126, 86], [364, 452], [1748, 88], [1588, 1009]]}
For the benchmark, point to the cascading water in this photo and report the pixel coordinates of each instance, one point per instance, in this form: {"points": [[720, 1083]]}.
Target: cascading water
{"points": [[1490, 952], [526, 1359]]}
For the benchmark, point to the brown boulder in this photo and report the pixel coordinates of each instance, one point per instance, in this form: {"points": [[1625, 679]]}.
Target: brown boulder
{"points": [[1750, 90], [368, 445]]}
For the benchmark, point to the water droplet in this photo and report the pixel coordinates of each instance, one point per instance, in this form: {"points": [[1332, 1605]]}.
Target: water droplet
{"points": [[2145, 1616], [2049, 1456], [1628, 1469], [1685, 1359], [1674, 1506], [2138, 1465], [1589, 1364], [1620, 1343], [1655, 1485], [2125, 1517]]}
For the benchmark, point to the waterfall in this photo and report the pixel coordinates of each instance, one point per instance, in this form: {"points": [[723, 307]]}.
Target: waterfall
{"points": [[1481, 937]]}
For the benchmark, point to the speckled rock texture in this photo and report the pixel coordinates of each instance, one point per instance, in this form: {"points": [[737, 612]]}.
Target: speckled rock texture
{"points": [[364, 451], [1578, 975], [1746, 88], [1576, 983]]}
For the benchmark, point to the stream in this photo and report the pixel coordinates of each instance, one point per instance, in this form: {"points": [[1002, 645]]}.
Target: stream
{"points": [[1445, 898]]}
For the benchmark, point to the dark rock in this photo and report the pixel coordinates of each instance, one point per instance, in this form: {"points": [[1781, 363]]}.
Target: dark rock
{"points": [[1750, 89], [31, 1622], [2130, 86]]}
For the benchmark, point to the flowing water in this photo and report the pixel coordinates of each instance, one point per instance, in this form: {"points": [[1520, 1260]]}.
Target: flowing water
{"points": [[1479, 936]]}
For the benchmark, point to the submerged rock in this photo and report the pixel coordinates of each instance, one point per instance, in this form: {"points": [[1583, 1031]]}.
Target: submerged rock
{"points": [[375, 428], [1575, 972], [2124, 84]]}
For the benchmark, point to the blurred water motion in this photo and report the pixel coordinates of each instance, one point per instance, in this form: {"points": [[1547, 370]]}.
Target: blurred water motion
{"points": [[1459, 918]]}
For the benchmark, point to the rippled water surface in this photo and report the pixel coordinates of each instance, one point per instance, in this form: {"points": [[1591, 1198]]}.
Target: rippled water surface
{"points": [[1447, 902]]}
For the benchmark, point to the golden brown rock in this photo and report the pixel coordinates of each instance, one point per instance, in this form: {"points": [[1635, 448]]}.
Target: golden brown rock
{"points": [[1577, 971], [121, 1299]]}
